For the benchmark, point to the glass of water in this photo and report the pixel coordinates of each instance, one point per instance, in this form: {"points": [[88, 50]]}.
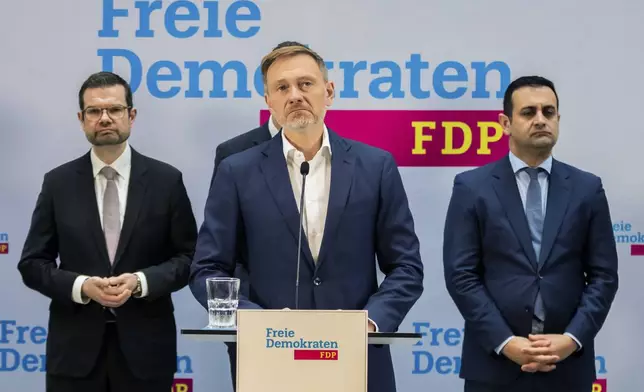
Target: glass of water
{"points": [[223, 298]]}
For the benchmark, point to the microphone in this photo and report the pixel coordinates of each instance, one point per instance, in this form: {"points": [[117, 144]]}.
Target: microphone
{"points": [[304, 170]]}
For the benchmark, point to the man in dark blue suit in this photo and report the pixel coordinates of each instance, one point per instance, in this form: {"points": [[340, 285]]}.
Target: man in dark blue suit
{"points": [[240, 143], [529, 257], [356, 210]]}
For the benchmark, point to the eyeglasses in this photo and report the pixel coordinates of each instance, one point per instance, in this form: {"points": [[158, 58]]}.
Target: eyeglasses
{"points": [[114, 112]]}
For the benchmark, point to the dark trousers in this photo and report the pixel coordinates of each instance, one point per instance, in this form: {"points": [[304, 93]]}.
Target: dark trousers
{"points": [[111, 373]]}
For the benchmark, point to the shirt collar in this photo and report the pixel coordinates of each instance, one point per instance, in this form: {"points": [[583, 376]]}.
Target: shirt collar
{"points": [[271, 127], [289, 149], [121, 164], [517, 164]]}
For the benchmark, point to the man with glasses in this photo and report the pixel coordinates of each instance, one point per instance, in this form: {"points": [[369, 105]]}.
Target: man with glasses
{"points": [[122, 227]]}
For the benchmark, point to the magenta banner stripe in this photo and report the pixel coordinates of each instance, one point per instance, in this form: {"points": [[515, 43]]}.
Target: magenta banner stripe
{"points": [[424, 138]]}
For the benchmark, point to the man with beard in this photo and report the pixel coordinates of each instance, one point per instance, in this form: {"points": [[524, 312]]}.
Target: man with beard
{"points": [[239, 143], [529, 257], [355, 207], [122, 227]]}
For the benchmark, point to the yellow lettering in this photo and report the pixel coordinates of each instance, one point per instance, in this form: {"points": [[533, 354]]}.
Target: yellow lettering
{"points": [[3, 248], [420, 137], [322, 354], [597, 388], [334, 354], [449, 138], [180, 388], [486, 138]]}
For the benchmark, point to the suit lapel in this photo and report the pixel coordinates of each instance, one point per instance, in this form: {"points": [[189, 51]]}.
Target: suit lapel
{"points": [[88, 206], [279, 184], [135, 196], [505, 186], [558, 198], [342, 168]]}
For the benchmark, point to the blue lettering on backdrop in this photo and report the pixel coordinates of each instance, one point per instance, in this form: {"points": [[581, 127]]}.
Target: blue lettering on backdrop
{"points": [[165, 78], [18, 343], [186, 11], [624, 234], [427, 360]]}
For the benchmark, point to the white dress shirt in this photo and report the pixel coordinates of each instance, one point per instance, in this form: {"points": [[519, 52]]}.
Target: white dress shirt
{"points": [[316, 194], [122, 167], [318, 187]]}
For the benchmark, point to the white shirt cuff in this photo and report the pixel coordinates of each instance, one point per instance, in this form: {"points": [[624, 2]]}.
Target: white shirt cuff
{"points": [[375, 325], [77, 292], [500, 347], [575, 339], [144, 284]]}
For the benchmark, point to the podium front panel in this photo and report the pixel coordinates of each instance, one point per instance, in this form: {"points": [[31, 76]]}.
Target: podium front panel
{"points": [[301, 350]]}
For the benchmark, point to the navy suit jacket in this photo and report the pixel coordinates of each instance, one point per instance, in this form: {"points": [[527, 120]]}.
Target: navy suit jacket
{"points": [[492, 274], [368, 216], [240, 143]]}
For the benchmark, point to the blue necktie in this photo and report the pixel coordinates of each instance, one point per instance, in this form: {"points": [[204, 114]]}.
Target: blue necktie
{"points": [[534, 213]]}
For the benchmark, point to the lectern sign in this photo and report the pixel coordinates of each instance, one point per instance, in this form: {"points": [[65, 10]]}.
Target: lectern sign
{"points": [[304, 349], [296, 350]]}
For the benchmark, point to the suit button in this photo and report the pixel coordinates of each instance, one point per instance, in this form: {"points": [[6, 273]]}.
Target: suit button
{"points": [[317, 281], [540, 277], [527, 309]]}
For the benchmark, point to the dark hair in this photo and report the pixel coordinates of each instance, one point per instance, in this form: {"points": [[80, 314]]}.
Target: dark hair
{"points": [[101, 80], [288, 43], [287, 51], [525, 81]]}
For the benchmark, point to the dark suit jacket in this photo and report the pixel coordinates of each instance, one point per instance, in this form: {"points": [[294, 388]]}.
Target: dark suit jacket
{"points": [[240, 143], [492, 273], [368, 216], [158, 238]]}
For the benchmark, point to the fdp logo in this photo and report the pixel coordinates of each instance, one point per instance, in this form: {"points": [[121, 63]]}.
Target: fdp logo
{"points": [[4, 243], [599, 385], [182, 385], [424, 138], [626, 234], [315, 355]]}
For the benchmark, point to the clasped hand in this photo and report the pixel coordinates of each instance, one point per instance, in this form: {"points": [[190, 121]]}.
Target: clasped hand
{"points": [[539, 353], [110, 292]]}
